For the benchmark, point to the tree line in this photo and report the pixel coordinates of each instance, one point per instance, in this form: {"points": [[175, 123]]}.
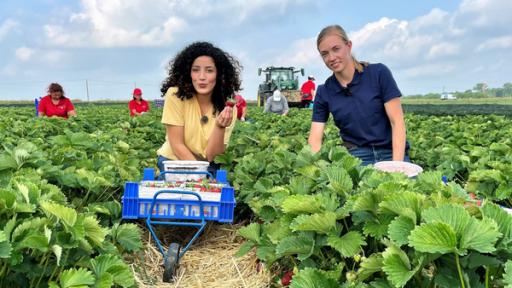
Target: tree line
{"points": [[480, 90]]}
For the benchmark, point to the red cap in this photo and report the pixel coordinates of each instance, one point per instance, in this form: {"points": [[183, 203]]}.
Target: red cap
{"points": [[137, 91]]}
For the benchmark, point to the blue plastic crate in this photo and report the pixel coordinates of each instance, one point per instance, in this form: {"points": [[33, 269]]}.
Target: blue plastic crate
{"points": [[221, 211]]}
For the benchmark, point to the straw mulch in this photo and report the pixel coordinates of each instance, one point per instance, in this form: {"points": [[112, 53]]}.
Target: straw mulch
{"points": [[209, 262]]}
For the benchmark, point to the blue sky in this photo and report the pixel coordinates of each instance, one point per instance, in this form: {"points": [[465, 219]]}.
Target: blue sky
{"points": [[117, 44]]}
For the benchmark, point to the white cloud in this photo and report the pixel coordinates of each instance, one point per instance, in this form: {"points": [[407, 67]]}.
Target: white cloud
{"points": [[301, 53], [485, 13], [46, 56], [52, 56], [442, 49], [435, 18], [504, 42], [24, 53], [6, 27], [118, 24], [132, 23], [434, 48], [379, 31], [435, 69]]}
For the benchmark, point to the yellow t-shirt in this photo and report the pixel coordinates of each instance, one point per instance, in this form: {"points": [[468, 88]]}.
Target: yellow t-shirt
{"points": [[187, 114]]}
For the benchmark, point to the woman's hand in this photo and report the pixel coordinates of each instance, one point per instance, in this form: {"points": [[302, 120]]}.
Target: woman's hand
{"points": [[216, 144], [225, 117]]}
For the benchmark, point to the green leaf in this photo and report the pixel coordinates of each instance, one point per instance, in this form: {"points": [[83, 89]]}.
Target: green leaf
{"points": [[501, 217], [93, 231], [339, 180], [367, 201], [53, 285], [475, 260], [267, 254], [251, 232], [7, 162], [447, 277], [35, 240], [480, 235], [301, 185], [380, 283], [277, 230], [63, 213], [408, 204], [454, 215], [297, 204], [128, 235], [507, 276], [57, 250], [312, 278], [321, 223], [378, 227], [26, 227], [369, 266], [348, 245], [397, 266], [244, 248], [114, 266], [106, 280], [434, 237], [7, 199], [5, 246], [399, 230], [300, 245], [266, 213], [112, 208], [73, 278]]}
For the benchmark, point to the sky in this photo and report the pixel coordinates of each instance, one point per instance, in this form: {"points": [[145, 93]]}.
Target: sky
{"points": [[101, 50]]}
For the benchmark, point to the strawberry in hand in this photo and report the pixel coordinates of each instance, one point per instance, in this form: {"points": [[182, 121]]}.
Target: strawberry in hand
{"points": [[231, 102]]}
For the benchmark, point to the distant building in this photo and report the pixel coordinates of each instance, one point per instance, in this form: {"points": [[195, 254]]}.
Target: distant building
{"points": [[447, 96]]}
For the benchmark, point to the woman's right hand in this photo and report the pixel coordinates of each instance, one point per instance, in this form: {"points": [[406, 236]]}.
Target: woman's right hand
{"points": [[225, 118]]}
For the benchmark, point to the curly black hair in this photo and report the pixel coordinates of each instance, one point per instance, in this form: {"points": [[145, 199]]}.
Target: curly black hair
{"points": [[228, 73]]}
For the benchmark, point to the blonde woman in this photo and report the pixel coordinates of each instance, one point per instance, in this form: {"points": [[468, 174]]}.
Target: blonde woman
{"points": [[363, 99]]}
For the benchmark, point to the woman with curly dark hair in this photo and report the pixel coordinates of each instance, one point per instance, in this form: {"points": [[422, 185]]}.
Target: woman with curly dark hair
{"points": [[197, 114]]}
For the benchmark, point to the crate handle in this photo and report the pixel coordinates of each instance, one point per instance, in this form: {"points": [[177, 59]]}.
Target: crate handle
{"points": [[200, 201]]}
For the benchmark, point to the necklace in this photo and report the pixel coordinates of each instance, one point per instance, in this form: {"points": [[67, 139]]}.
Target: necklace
{"points": [[204, 114], [204, 119]]}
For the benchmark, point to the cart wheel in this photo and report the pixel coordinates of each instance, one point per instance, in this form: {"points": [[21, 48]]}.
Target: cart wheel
{"points": [[171, 262]]}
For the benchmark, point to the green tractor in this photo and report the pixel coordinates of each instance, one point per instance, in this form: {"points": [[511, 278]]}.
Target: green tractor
{"points": [[282, 78]]}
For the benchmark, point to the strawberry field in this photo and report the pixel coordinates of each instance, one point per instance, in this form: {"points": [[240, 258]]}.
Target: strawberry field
{"points": [[314, 220]]}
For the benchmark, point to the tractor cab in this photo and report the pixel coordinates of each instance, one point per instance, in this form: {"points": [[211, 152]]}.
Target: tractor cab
{"points": [[282, 78]]}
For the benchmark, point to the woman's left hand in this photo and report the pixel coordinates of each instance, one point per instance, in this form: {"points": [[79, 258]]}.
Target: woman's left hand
{"points": [[225, 117]]}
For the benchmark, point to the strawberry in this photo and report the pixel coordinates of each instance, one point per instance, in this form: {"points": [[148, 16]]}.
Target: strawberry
{"points": [[259, 266], [231, 102], [287, 278]]}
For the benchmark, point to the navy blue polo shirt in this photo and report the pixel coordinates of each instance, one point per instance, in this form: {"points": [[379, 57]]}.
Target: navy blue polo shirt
{"points": [[358, 109]]}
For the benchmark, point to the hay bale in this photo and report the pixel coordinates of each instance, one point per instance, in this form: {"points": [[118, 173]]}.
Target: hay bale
{"points": [[210, 262]]}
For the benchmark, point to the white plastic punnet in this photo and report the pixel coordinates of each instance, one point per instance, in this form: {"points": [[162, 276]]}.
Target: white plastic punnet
{"points": [[185, 166], [409, 169]]}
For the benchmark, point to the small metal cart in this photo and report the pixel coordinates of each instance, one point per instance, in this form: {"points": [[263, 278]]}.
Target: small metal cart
{"points": [[170, 205]]}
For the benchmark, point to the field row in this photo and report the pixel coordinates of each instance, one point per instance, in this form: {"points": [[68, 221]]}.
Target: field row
{"points": [[321, 215]]}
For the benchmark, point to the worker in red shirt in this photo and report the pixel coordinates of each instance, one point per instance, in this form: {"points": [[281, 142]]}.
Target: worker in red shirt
{"points": [[138, 106], [241, 107], [55, 103], [308, 91]]}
